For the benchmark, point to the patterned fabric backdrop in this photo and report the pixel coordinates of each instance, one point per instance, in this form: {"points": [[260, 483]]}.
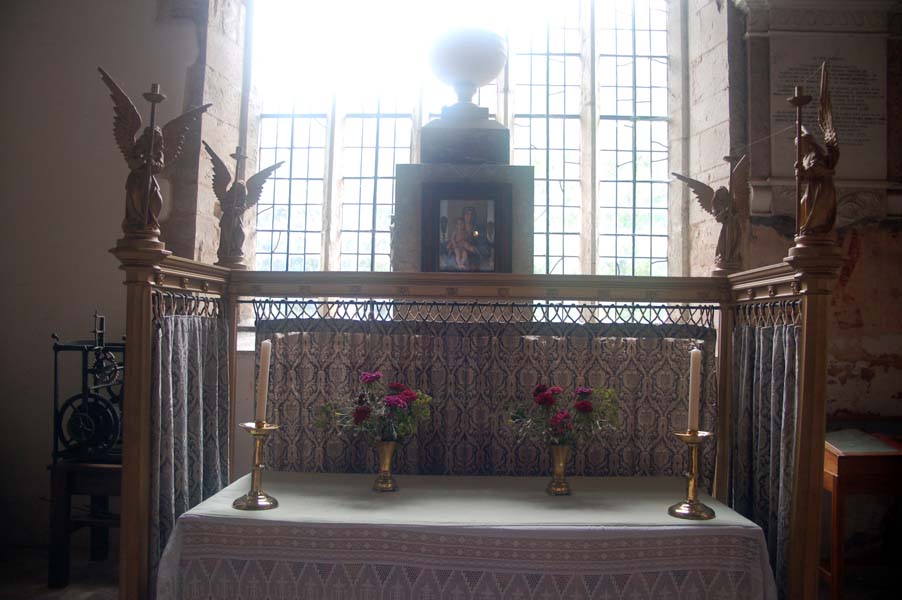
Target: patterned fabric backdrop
{"points": [[189, 418], [472, 369], [765, 363]]}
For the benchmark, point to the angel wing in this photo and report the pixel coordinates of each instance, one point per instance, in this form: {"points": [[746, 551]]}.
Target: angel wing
{"points": [[740, 188], [221, 175], [825, 110], [127, 119], [703, 193], [174, 133], [255, 183]]}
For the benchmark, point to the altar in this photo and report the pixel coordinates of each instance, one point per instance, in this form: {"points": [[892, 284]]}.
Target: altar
{"points": [[462, 537]]}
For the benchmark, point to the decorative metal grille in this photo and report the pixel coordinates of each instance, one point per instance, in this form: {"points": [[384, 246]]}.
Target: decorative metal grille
{"points": [[766, 314], [167, 304], [631, 320]]}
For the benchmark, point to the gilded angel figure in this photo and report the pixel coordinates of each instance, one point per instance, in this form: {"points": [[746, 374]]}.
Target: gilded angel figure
{"points": [[234, 201], [818, 203], [143, 201], [729, 207]]}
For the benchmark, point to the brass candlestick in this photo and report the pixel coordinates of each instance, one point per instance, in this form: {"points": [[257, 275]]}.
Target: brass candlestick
{"points": [[256, 498], [691, 508]]}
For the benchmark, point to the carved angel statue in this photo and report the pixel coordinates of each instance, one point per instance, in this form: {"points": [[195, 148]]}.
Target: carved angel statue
{"points": [[234, 201], [729, 207], [143, 200], [818, 210]]}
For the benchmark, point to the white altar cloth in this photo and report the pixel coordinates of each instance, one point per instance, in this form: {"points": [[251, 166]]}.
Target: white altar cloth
{"points": [[457, 538]]}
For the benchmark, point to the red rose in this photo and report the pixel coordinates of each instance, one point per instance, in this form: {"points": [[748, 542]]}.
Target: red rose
{"points": [[394, 402], [561, 422], [583, 406], [408, 395], [539, 389], [370, 377], [396, 387], [361, 414], [545, 398]]}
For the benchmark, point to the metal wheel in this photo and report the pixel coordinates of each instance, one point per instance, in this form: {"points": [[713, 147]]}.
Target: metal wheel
{"points": [[90, 425]]}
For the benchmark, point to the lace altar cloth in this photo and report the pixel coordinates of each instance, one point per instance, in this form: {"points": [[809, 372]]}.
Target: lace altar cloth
{"points": [[459, 538]]}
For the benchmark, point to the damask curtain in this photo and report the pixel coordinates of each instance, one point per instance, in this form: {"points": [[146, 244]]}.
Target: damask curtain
{"points": [[189, 418], [765, 364], [472, 369]]}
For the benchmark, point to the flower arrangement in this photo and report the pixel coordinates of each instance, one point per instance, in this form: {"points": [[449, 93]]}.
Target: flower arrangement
{"points": [[549, 420], [382, 413]]}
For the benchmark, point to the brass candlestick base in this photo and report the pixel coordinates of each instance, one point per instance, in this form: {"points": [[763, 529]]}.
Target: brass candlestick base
{"points": [[256, 498], [691, 508], [384, 481]]}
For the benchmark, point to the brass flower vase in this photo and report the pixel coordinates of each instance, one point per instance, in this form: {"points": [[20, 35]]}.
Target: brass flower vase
{"points": [[384, 481], [558, 485]]}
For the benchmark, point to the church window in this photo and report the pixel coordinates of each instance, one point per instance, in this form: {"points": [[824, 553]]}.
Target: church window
{"points": [[584, 94]]}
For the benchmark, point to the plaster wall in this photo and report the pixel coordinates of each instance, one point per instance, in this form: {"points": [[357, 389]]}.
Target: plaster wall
{"points": [[62, 188]]}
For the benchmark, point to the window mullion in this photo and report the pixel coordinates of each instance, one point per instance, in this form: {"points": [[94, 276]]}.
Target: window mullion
{"points": [[635, 60], [589, 145], [331, 243]]}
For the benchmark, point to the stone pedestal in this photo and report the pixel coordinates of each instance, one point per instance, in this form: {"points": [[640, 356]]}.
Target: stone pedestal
{"points": [[465, 135]]}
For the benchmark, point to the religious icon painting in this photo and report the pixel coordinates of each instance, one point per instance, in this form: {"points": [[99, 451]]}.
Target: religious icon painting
{"points": [[466, 227]]}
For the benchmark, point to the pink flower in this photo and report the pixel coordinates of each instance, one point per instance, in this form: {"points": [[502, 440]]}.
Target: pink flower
{"points": [[408, 395], [555, 390], [361, 414], [370, 377], [583, 391], [583, 406], [395, 402], [561, 422], [545, 398], [539, 389], [396, 387]]}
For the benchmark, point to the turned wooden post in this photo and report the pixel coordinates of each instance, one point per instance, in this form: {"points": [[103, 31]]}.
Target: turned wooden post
{"points": [[724, 403], [140, 261], [816, 263]]}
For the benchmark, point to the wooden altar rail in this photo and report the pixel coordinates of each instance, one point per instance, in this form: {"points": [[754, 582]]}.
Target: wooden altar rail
{"points": [[482, 286], [148, 268]]}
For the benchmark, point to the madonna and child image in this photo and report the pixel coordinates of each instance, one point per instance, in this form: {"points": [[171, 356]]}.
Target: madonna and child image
{"points": [[466, 238]]}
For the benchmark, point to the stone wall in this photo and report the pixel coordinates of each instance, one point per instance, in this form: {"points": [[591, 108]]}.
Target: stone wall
{"points": [[715, 64], [786, 36], [191, 228]]}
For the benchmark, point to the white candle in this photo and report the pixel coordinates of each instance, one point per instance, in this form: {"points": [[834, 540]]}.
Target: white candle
{"points": [[695, 382], [263, 380]]}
